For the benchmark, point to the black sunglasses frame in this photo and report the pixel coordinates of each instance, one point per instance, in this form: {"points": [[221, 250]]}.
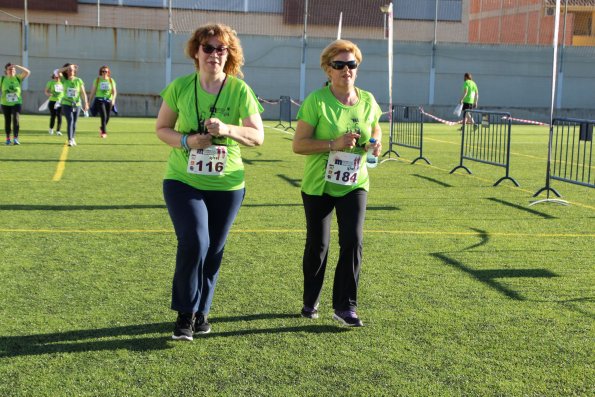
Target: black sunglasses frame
{"points": [[209, 49], [340, 65]]}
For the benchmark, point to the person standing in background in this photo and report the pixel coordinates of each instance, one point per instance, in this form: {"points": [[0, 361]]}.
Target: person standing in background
{"points": [[74, 90], [103, 97], [55, 90], [470, 97], [11, 99]]}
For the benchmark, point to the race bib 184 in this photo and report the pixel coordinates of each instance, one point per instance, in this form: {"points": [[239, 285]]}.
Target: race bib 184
{"points": [[342, 168]]}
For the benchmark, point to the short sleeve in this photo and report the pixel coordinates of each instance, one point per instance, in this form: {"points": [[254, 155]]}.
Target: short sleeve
{"points": [[170, 97], [250, 102], [309, 110]]}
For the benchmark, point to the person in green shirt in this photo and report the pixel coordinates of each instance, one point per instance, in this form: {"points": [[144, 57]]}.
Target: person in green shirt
{"points": [[335, 125], [55, 90], [470, 97], [204, 117], [74, 91], [103, 97], [11, 99]]}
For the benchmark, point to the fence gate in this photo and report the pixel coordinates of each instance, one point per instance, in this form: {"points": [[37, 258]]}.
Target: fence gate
{"points": [[570, 154], [285, 113], [407, 130], [487, 141]]}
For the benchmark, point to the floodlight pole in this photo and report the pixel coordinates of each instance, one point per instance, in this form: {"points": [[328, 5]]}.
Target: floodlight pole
{"points": [[388, 11], [561, 68], [26, 44], [98, 13], [168, 49], [433, 60], [547, 187], [304, 46]]}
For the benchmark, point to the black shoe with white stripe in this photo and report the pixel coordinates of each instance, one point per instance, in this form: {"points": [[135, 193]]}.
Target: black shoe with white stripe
{"points": [[184, 327], [201, 325]]}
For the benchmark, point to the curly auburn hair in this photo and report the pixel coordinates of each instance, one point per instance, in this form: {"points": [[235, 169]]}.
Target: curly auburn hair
{"points": [[228, 36]]}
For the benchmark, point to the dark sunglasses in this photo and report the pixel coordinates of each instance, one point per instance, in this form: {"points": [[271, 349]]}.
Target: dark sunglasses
{"points": [[104, 71], [339, 65], [209, 49]]}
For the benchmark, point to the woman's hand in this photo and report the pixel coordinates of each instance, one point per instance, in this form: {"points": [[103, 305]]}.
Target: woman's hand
{"points": [[346, 141], [199, 141], [377, 147], [216, 127]]}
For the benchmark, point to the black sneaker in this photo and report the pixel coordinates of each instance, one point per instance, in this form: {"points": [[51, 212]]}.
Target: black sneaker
{"points": [[308, 312], [348, 318], [184, 327], [201, 325]]}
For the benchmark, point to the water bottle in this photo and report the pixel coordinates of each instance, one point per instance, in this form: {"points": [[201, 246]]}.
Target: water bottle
{"points": [[371, 160]]}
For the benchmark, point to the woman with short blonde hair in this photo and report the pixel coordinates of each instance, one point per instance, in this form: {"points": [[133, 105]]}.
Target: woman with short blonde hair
{"points": [[336, 124]]}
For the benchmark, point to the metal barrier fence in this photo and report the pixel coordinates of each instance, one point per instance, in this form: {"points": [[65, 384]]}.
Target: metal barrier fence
{"points": [[486, 141], [285, 113], [570, 156], [407, 130]]}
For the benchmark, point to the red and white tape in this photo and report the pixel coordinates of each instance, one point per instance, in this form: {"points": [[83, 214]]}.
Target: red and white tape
{"points": [[269, 101], [439, 119], [525, 121]]}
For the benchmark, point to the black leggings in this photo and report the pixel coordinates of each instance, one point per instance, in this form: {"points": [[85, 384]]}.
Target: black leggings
{"points": [[55, 112], [11, 115], [351, 210], [104, 109]]}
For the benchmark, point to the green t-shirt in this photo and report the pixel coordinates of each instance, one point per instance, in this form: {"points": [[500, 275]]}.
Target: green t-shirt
{"points": [[236, 102], [472, 91], [72, 91], [56, 90], [104, 88], [331, 119], [11, 91]]}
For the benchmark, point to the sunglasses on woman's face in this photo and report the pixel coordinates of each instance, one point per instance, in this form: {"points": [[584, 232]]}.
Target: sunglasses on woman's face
{"points": [[340, 65], [104, 71], [209, 49]]}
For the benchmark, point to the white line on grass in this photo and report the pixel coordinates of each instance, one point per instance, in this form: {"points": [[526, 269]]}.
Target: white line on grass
{"points": [[280, 130], [61, 164]]}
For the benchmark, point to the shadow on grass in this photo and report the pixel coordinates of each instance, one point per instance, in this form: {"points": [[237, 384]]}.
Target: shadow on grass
{"points": [[76, 341], [250, 162], [427, 178], [129, 337], [485, 238], [292, 182], [31, 207], [488, 276], [522, 208]]}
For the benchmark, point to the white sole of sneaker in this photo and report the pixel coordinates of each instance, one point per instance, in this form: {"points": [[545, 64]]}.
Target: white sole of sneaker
{"points": [[181, 337], [202, 332]]}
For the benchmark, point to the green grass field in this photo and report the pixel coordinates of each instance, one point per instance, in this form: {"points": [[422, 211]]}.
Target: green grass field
{"points": [[465, 289]]}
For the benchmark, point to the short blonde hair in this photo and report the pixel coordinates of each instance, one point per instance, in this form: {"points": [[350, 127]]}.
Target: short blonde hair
{"points": [[228, 36], [337, 47]]}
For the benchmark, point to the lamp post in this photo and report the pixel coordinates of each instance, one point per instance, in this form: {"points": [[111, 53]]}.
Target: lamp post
{"points": [[388, 34], [304, 46]]}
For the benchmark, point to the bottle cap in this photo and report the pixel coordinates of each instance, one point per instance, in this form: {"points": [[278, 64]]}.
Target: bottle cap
{"points": [[372, 140]]}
